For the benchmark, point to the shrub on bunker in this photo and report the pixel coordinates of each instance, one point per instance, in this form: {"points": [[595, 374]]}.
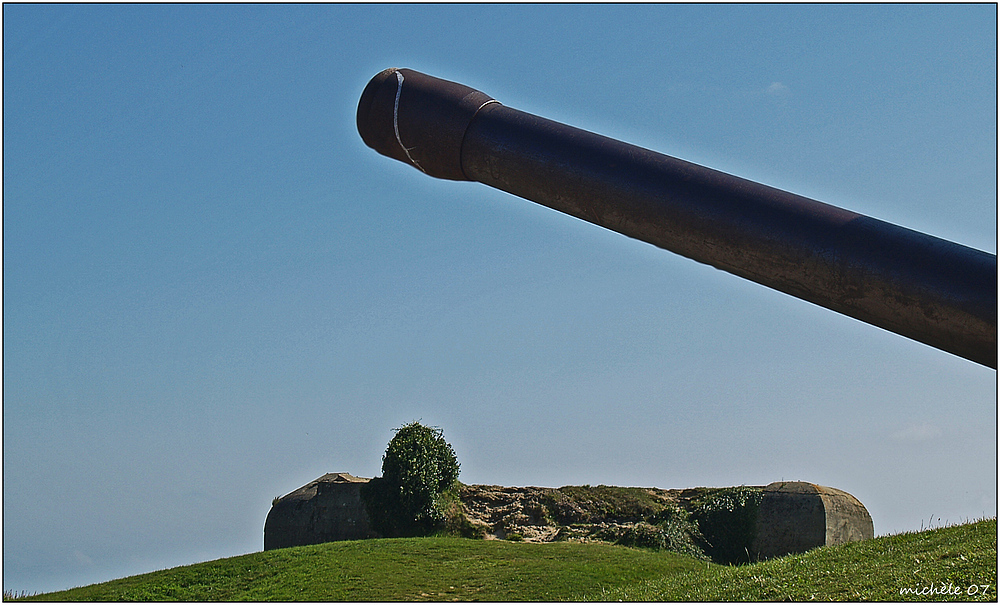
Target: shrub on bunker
{"points": [[418, 466]]}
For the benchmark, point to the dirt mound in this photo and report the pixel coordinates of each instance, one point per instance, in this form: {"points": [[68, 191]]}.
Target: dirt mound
{"points": [[583, 513]]}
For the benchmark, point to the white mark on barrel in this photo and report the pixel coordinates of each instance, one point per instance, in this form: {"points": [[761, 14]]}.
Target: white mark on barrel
{"points": [[395, 122]]}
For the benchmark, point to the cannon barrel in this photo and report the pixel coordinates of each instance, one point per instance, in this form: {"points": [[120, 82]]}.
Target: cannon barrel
{"points": [[932, 290]]}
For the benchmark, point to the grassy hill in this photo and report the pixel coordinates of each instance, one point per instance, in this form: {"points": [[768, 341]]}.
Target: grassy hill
{"points": [[953, 563]]}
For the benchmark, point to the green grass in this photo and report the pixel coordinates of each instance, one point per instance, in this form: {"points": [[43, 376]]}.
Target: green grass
{"points": [[957, 563], [444, 569], [435, 569]]}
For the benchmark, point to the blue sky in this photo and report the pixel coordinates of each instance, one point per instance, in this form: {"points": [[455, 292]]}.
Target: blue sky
{"points": [[215, 293]]}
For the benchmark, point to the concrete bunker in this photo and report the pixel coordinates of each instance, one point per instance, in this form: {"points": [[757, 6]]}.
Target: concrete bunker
{"points": [[792, 517], [325, 510], [795, 516]]}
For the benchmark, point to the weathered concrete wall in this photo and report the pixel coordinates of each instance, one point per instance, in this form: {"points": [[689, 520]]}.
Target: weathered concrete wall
{"points": [[325, 510], [795, 516]]}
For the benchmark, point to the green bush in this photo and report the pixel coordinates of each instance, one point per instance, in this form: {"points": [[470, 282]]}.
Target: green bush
{"points": [[639, 535], [417, 468], [680, 533], [727, 519], [670, 529]]}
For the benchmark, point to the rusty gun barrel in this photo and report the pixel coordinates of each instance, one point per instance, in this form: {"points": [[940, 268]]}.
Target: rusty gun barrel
{"points": [[932, 290]]}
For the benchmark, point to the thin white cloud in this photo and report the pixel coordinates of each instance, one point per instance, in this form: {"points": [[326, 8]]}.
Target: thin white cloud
{"points": [[776, 89], [916, 433], [82, 560]]}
